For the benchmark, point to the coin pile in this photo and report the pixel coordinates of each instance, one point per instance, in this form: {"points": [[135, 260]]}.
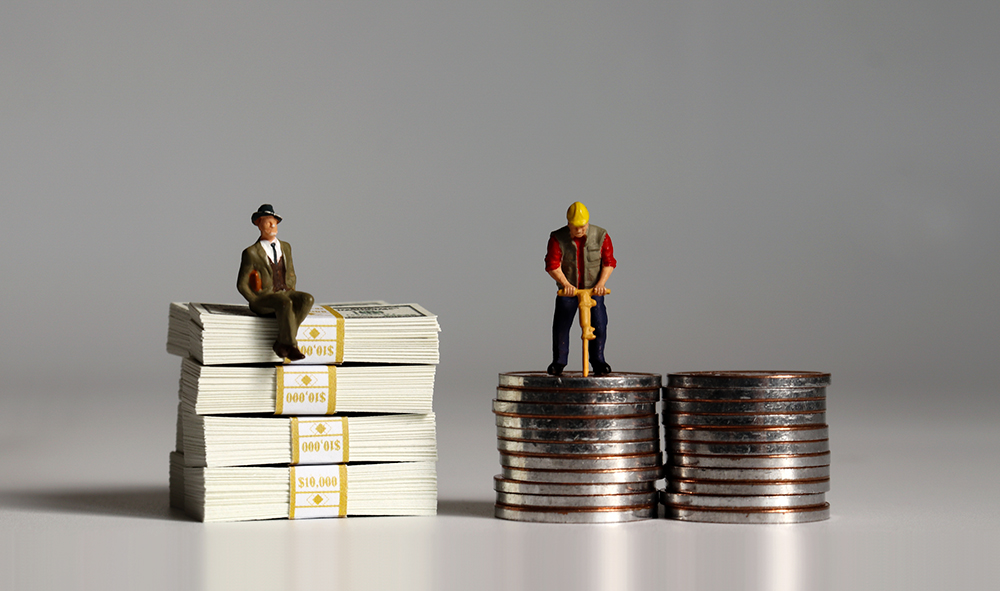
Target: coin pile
{"points": [[577, 449], [747, 447]]}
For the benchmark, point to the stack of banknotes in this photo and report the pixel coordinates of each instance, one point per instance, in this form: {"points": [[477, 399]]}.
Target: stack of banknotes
{"points": [[349, 430]]}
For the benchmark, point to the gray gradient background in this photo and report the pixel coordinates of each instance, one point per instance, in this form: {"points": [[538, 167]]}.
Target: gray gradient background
{"points": [[790, 185]]}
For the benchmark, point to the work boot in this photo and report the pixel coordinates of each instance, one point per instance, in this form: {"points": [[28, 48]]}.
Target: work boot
{"points": [[601, 368], [555, 369]]}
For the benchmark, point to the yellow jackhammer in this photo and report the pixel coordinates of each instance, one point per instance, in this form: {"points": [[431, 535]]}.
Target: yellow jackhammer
{"points": [[584, 296]]}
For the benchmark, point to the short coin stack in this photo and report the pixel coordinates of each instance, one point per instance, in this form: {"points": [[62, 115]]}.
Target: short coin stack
{"points": [[747, 447], [577, 449]]}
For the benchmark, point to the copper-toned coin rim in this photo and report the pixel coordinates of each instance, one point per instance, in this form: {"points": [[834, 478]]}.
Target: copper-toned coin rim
{"points": [[655, 389], [750, 482], [744, 428], [703, 442], [656, 469], [544, 509], [587, 442], [580, 457], [746, 414], [720, 401], [574, 417], [802, 509], [754, 374], [751, 457]]}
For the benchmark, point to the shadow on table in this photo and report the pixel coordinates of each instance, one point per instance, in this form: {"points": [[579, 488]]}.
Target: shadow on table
{"points": [[143, 502], [466, 508]]}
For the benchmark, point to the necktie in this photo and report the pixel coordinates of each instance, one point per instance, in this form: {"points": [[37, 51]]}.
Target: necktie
{"points": [[274, 249]]}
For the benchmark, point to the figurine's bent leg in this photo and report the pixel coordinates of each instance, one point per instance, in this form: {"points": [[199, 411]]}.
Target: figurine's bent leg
{"points": [[281, 306], [302, 302], [599, 320], [562, 321]]}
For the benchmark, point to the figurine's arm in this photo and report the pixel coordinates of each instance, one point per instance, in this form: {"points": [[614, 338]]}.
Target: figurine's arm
{"points": [[568, 289], [243, 279], [289, 267], [599, 288]]}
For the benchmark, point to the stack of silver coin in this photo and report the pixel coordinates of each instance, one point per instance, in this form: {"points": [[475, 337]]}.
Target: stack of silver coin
{"points": [[747, 447], [577, 449]]}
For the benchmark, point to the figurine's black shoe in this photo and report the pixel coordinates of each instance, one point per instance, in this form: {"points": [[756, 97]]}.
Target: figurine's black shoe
{"points": [[281, 350], [555, 369], [294, 354], [601, 368]]}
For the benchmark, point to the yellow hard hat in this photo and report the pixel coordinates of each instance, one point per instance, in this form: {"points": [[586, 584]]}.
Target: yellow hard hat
{"points": [[577, 214]]}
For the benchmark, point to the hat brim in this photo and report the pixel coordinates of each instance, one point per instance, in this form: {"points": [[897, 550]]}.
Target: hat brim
{"points": [[257, 215]]}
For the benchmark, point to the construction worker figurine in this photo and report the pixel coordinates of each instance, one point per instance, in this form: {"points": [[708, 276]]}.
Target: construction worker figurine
{"points": [[580, 258]]}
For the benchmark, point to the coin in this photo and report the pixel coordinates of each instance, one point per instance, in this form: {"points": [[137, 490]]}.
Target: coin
{"points": [[757, 488], [572, 380], [577, 501], [749, 434], [580, 463], [748, 379], [744, 420], [578, 424], [748, 474], [531, 488], [736, 501], [610, 410], [586, 515], [743, 394], [578, 397], [749, 449], [740, 406], [565, 436], [574, 448], [583, 476], [745, 515], [741, 461]]}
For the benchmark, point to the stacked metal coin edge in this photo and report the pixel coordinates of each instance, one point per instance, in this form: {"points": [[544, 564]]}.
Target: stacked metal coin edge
{"points": [[747, 447], [577, 449]]}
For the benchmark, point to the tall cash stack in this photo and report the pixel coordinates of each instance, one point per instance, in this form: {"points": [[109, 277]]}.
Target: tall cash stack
{"points": [[577, 449], [349, 430], [747, 447]]}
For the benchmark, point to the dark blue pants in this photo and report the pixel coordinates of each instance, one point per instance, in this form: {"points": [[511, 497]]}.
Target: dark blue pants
{"points": [[562, 321]]}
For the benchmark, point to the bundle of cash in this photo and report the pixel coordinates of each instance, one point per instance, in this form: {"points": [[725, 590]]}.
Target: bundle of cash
{"points": [[304, 492], [246, 441], [308, 459], [306, 389], [577, 449], [747, 447], [368, 332]]}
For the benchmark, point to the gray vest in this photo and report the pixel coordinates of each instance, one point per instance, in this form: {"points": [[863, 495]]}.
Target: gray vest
{"points": [[591, 255]]}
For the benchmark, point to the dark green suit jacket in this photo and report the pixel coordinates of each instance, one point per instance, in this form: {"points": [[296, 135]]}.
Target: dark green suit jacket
{"points": [[255, 259]]}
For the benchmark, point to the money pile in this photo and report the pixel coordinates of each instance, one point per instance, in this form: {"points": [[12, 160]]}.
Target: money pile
{"points": [[577, 449], [367, 332], [747, 447], [283, 446]]}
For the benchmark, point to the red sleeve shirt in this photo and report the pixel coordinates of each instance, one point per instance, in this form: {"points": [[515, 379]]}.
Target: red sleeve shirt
{"points": [[553, 254]]}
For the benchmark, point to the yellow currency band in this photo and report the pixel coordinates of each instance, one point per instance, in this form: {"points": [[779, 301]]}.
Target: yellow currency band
{"points": [[279, 393], [295, 440], [347, 443], [340, 332], [291, 491], [343, 487], [331, 399]]}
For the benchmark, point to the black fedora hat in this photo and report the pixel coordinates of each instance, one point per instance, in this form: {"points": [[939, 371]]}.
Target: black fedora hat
{"points": [[262, 211]]}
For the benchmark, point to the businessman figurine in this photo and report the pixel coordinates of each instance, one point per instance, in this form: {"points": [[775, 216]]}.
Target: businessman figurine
{"points": [[267, 281]]}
